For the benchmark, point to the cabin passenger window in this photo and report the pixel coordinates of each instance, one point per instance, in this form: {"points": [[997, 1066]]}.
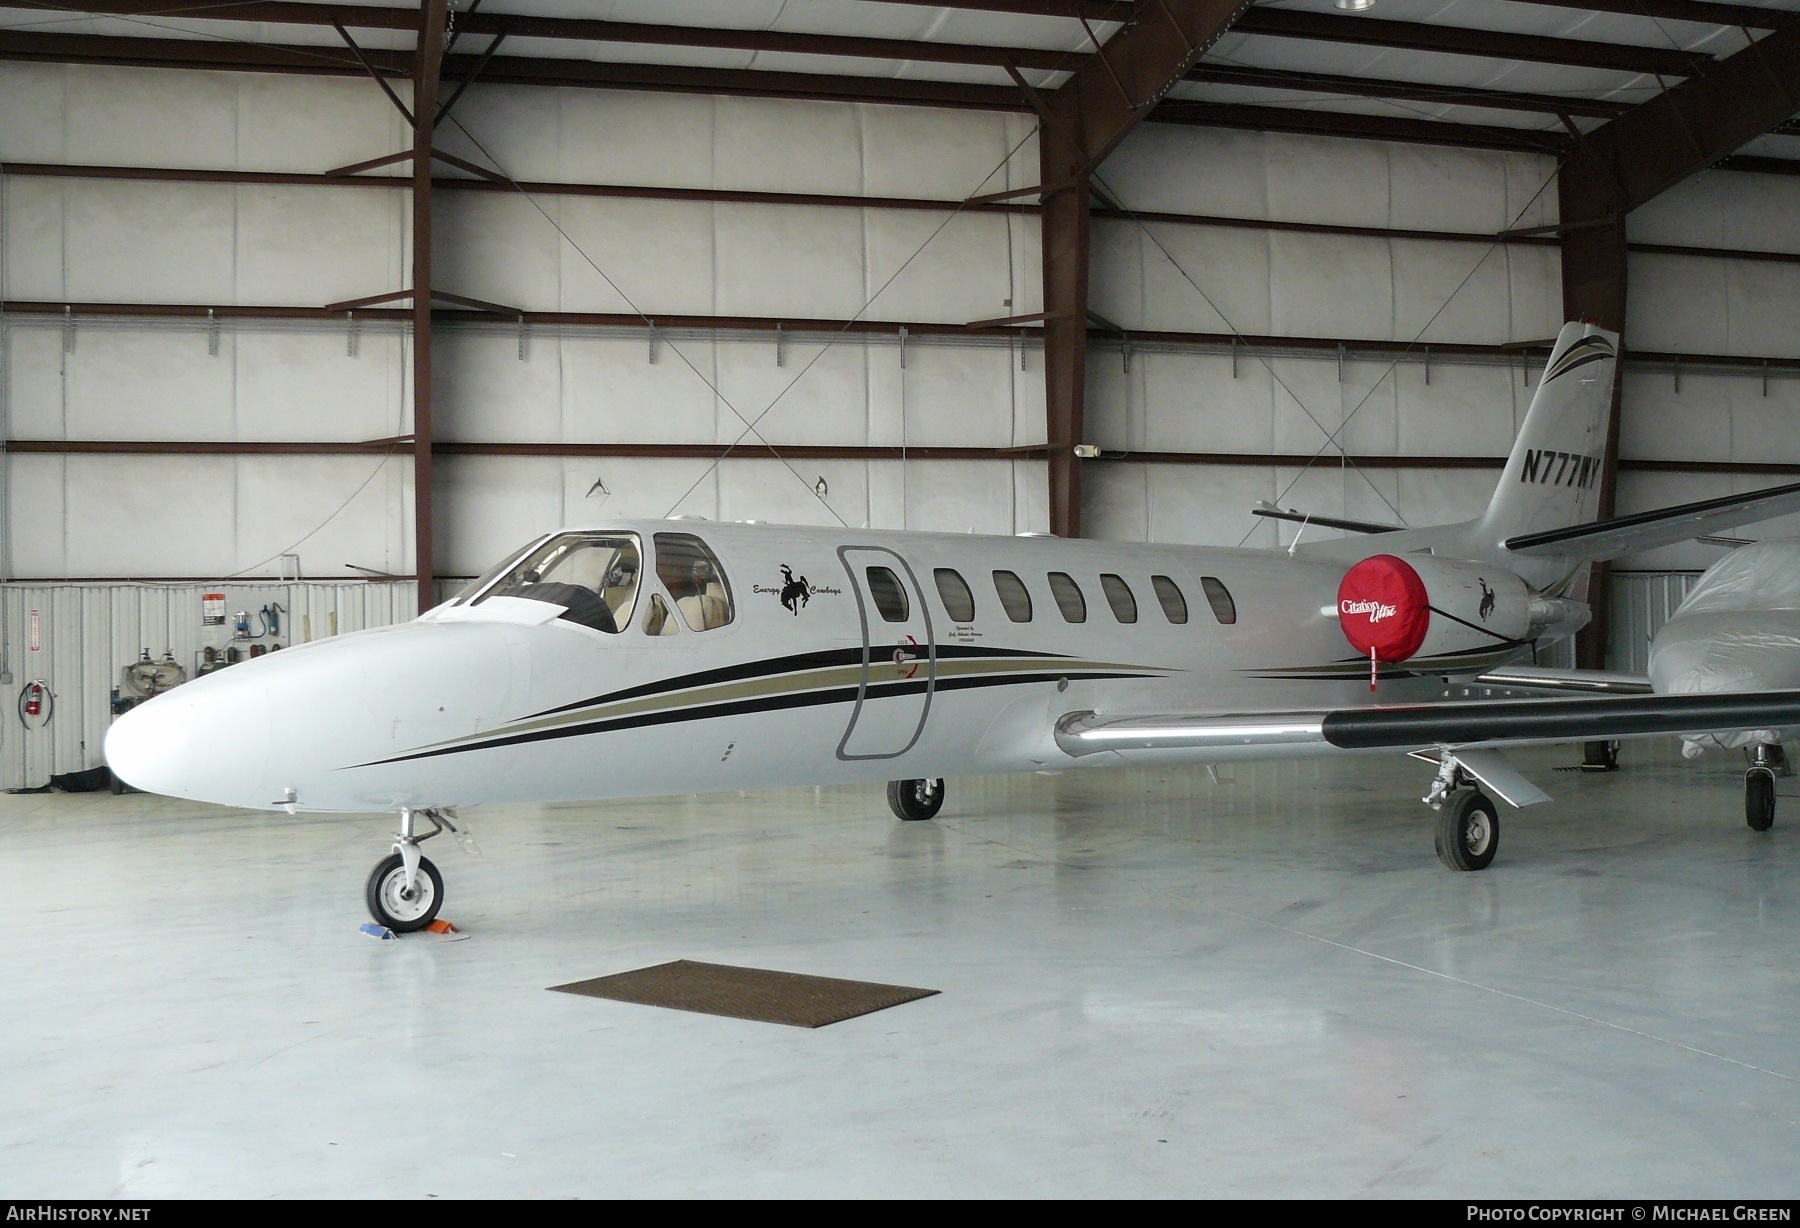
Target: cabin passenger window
{"points": [[1219, 597], [693, 577], [1173, 603], [1118, 596], [593, 576], [1015, 599], [657, 618], [1068, 597], [959, 602], [889, 594]]}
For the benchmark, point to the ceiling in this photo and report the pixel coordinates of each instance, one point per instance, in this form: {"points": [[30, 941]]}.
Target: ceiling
{"points": [[1500, 72]]}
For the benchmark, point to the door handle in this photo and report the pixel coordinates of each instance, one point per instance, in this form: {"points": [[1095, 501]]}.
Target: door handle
{"points": [[902, 657]]}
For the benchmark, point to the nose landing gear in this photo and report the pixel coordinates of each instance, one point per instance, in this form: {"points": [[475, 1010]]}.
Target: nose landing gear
{"points": [[405, 890]]}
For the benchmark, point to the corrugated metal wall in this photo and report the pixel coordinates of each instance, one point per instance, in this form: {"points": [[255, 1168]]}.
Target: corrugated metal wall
{"points": [[86, 633], [1642, 603]]}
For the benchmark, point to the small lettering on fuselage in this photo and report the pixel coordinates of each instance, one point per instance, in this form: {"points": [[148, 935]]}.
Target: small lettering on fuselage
{"points": [[1546, 468]]}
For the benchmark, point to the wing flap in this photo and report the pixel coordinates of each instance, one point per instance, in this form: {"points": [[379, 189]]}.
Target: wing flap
{"points": [[1415, 726], [1573, 681], [1608, 539]]}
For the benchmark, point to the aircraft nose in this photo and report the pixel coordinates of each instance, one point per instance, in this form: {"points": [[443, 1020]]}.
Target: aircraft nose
{"points": [[329, 726], [207, 740]]}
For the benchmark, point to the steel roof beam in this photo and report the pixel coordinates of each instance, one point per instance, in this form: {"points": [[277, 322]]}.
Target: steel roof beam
{"points": [[581, 29], [1411, 91], [1460, 40], [1367, 127], [1684, 130], [1705, 12], [33, 45], [373, 17]]}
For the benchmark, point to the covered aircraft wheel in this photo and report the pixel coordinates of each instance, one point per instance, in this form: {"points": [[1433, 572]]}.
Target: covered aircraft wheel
{"points": [[1468, 831], [1759, 799], [914, 800], [390, 903]]}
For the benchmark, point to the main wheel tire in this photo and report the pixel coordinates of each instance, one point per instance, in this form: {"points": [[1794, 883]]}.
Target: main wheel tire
{"points": [[1468, 831], [916, 800], [384, 895], [1759, 799]]}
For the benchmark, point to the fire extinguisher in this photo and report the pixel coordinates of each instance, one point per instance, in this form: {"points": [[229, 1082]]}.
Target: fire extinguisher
{"points": [[36, 702]]}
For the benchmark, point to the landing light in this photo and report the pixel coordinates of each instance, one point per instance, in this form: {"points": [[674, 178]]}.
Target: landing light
{"points": [[1355, 6]]}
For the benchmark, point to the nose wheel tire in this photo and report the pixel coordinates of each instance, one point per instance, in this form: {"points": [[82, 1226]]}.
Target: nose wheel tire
{"points": [[1759, 799], [1468, 830], [916, 800], [393, 906]]}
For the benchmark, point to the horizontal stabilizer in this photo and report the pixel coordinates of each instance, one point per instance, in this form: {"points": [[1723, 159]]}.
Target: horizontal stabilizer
{"points": [[1417, 726], [1608, 539], [1324, 522]]}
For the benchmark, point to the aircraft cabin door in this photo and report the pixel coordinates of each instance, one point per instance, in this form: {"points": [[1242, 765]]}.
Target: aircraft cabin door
{"points": [[899, 660]]}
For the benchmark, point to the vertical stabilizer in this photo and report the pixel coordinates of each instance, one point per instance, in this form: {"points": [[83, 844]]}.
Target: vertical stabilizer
{"points": [[1552, 478]]}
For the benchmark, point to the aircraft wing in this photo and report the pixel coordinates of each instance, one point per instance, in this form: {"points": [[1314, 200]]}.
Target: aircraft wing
{"points": [[1608, 539], [1411, 727]]}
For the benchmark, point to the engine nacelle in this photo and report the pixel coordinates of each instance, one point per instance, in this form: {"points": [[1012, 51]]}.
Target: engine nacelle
{"points": [[1420, 606]]}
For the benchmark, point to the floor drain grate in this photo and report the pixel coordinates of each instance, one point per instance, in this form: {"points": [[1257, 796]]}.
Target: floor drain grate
{"points": [[747, 993]]}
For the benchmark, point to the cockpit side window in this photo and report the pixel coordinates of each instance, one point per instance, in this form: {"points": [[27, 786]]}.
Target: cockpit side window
{"points": [[593, 576], [694, 578], [488, 577]]}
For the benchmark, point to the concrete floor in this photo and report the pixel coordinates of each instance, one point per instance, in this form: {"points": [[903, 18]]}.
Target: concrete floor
{"points": [[1152, 984]]}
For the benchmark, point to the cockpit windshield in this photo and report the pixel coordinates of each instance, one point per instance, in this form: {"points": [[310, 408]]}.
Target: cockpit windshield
{"points": [[593, 576]]}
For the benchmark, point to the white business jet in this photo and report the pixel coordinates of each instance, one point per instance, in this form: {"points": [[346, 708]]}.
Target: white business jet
{"points": [[650, 657], [1736, 631]]}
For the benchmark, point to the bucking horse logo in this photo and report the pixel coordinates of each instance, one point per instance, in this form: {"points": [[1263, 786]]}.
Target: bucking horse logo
{"points": [[1487, 598], [794, 593]]}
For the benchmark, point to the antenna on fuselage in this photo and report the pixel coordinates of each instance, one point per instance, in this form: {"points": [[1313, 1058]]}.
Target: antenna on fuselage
{"points": [[1295, 544]]}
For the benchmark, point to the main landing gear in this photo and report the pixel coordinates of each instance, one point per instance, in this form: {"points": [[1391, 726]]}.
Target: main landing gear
{"points": [[916, 800], [405, 890], [1468, 824], [1759, 785]]}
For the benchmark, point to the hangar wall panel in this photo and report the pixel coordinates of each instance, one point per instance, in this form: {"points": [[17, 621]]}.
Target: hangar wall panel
{"points": [[489, 505], [1196, 278], [97, 240], [1692, 305]]}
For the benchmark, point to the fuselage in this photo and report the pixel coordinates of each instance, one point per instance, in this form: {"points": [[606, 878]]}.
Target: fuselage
{"points": [[827, 656]]}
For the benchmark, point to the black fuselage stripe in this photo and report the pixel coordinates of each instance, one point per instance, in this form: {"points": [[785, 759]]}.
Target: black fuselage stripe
{"points": [[771, 703], [796, 663]]}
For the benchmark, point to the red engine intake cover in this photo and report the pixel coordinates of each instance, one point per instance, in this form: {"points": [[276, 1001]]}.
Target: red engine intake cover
{"points": [[1383, 607]]}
